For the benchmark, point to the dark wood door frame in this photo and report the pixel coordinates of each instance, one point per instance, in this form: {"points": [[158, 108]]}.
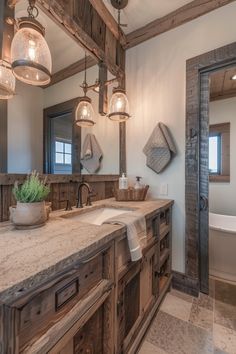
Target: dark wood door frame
{"points": [[50, 113], [196, 160]]}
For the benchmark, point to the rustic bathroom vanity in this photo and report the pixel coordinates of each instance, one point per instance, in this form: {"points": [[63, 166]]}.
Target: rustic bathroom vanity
{"points": [[70, 287]]}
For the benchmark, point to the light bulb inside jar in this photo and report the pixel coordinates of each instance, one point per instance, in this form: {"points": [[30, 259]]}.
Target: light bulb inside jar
{"points": [[32, 50], [31, 57], [119, 106], [84, 113]]}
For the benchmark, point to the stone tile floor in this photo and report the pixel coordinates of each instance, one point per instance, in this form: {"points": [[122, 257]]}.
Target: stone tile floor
{"points": [[188, 325]]}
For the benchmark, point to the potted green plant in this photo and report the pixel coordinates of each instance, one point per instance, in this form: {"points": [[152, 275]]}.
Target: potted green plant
{"points": [[31, 210]]}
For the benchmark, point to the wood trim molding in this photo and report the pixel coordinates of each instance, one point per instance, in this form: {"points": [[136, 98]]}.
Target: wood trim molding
{"points": [[219, 179], [184, 283], [48, 114], [196, 104], [8, 179], [71, 70], [174, 19], [109, 20]]}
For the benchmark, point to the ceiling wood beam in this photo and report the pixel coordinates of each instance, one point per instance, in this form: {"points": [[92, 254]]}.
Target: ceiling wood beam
{"points": [[109, 20], [79, 20], [71, 70], [223, 95], [174, 19]]}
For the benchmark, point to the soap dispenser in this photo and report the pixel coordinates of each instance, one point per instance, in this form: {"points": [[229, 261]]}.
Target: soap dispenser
{"points": [[138, 185], [123, 182]]}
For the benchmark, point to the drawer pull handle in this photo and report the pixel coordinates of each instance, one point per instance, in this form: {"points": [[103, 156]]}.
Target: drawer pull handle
{"points": [[89, 259], [67, 293]]}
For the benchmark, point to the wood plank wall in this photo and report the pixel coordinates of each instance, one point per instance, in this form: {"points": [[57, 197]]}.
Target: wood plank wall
{"points": [[63, 187]]}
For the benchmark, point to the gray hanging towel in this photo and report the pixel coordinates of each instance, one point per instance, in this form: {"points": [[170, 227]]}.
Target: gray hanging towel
{"points": [[160, 148], [91, 155]]}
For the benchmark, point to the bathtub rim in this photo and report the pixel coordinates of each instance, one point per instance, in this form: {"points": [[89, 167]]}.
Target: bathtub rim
{"points": [[221, 229]]}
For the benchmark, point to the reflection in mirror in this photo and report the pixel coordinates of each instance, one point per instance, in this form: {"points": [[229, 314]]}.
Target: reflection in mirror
{"points": [[222, 141], [54, 148], [61, 135]]}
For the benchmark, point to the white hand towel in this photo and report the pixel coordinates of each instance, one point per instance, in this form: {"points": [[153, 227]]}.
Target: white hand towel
{"points": [[160, 148], [91, 154], [136, 232]]}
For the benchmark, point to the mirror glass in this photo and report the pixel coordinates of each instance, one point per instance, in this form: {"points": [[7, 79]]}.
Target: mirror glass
{"points": [[66, 145]]}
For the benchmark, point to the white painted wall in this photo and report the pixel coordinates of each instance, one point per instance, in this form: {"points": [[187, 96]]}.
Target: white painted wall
{"points": [[106, 132], [223, 195], [156, 75], [25, 130]]}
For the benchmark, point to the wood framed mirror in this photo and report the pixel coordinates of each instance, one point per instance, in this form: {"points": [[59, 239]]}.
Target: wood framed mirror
{"points": [[27, 148]]}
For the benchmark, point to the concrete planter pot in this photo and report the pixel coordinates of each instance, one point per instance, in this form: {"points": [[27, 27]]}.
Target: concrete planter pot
{"points": [[29, 215]]}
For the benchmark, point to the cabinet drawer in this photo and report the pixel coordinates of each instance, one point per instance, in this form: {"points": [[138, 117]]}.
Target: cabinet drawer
{"points": [[48, 305]]}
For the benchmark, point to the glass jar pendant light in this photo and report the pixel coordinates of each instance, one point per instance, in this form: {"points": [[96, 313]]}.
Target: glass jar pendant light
{"points": [[84, 113], [119, 104], [7, 81], [31, 57]]}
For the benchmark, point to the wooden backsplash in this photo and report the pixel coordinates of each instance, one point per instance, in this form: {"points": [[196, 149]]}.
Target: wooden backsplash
{"points": [[63, 187]]}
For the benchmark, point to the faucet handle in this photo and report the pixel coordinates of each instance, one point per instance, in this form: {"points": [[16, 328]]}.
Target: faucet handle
{"points": [[68, 205], [90, 195]]}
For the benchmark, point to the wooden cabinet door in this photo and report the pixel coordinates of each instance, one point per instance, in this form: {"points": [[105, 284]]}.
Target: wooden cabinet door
{"points": [[128, 306], [87, 340], [148, 280]]}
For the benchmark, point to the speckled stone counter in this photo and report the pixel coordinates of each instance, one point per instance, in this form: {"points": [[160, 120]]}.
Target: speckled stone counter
{"points": [[30, 257]]}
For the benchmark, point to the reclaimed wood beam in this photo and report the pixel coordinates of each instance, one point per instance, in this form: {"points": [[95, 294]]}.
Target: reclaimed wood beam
{"points": [[103, 90], [83, 24], [184, 14], [71, 70], [109, 20]]}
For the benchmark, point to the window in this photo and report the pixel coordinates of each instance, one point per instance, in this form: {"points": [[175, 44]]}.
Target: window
{"points": [[219, 152], [215, 154], [63, 153]]}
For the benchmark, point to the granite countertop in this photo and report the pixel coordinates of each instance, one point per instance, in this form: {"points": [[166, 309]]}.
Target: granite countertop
{"points": [[30, 257]]}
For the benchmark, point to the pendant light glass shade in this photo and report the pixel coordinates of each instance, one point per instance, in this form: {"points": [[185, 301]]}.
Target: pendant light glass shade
{"points": [[31, 57], [84, 113], [7, 81], [119, 106]]}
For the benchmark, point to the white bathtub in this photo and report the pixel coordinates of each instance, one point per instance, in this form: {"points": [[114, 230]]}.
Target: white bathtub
{"points": [[222, 246]]}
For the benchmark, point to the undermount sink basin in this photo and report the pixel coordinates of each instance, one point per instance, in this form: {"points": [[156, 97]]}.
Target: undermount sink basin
{"points": [[97, 216]]}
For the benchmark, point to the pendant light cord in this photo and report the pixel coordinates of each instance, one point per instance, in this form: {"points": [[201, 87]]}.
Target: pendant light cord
{"points": [[119, 39]]}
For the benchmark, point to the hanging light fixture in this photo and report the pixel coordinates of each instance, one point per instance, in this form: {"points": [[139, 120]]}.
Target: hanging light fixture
{"points": [[31, 57], [119, 104], [84, 113], [7, 81]]}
